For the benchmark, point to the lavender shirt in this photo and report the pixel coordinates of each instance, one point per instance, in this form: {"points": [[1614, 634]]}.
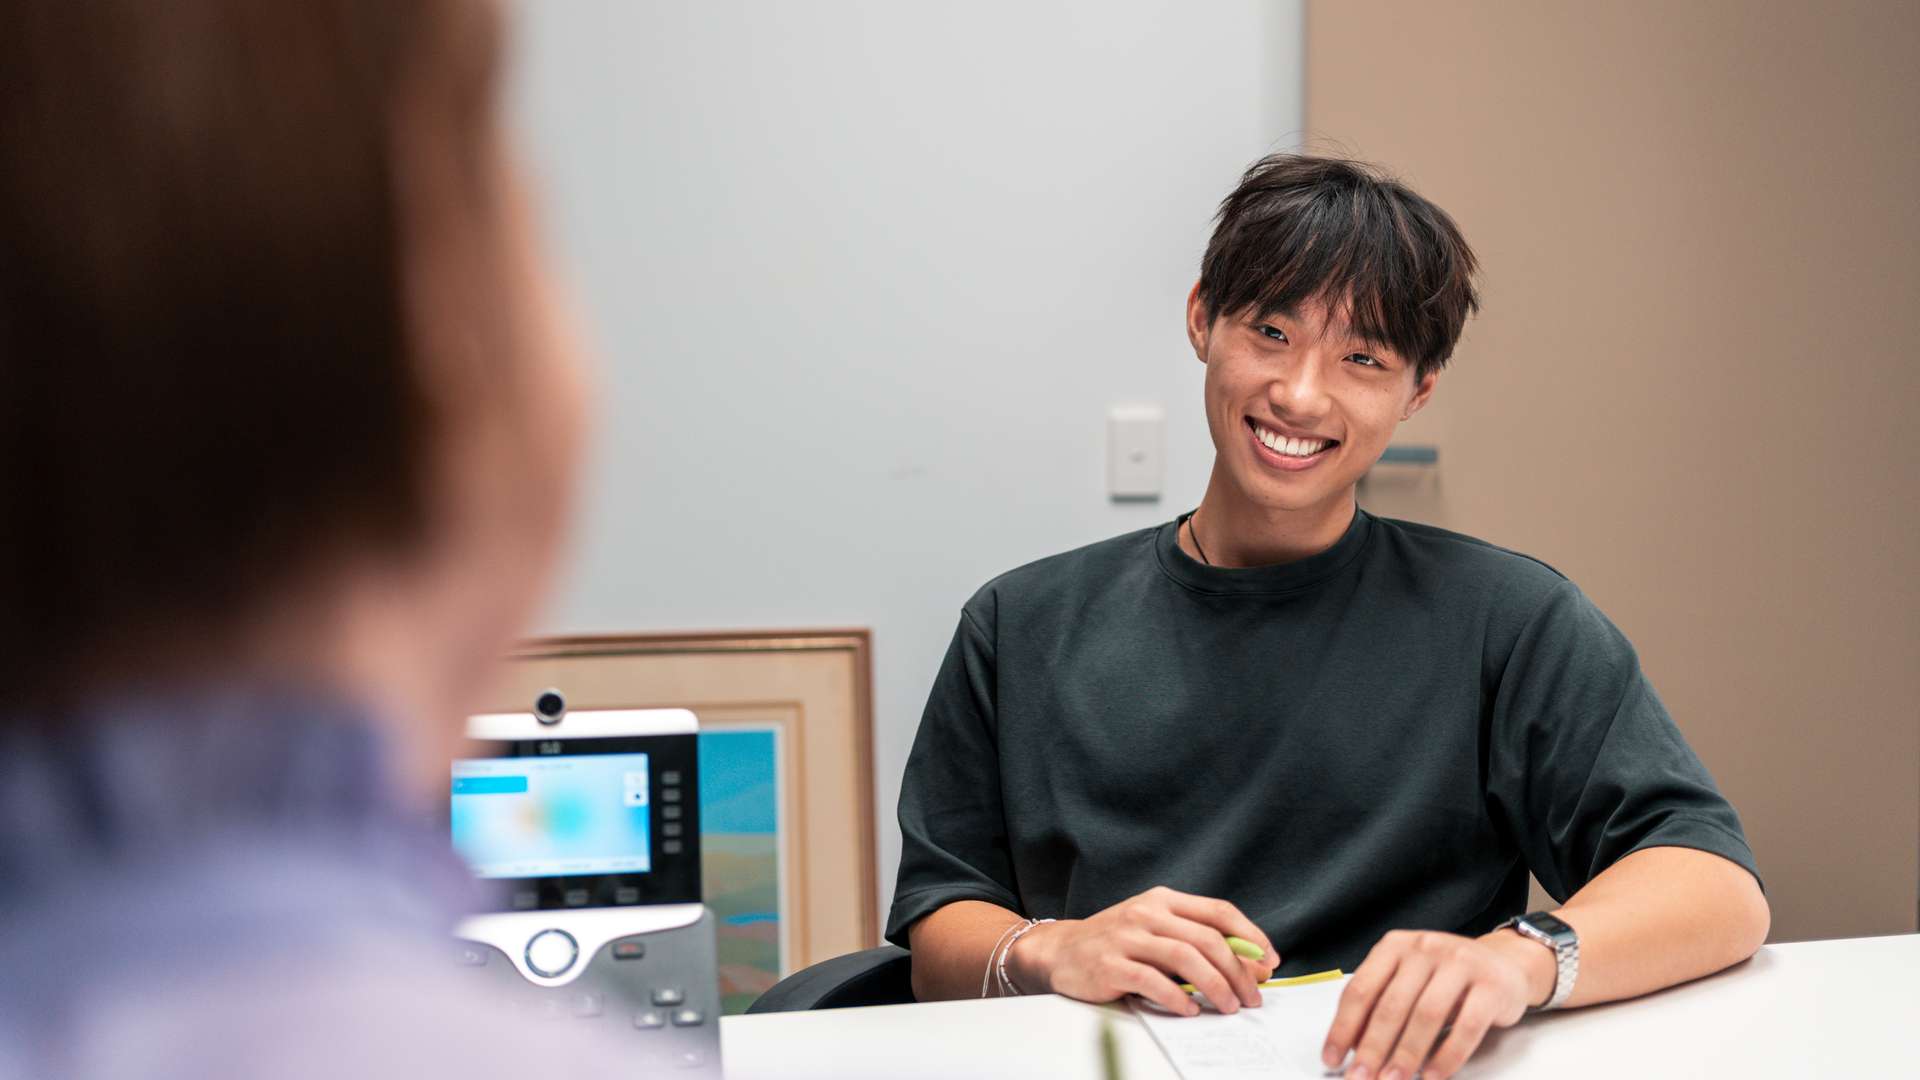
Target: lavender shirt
{"points": [[229, 885]]}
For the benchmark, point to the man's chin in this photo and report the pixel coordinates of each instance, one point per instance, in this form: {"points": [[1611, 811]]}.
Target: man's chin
{"points": [[1299, 497]]}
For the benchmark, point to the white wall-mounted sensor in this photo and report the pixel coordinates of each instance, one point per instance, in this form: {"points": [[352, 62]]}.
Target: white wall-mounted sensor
{"points": [[1136, 451]]}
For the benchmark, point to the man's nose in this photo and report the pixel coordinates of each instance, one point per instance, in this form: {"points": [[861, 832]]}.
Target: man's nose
{"points": [[1300, 389]]}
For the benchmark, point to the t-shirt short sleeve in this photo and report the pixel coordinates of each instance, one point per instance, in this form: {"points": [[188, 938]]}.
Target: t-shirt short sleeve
{"points": [[1585, 765], [952, 824]]}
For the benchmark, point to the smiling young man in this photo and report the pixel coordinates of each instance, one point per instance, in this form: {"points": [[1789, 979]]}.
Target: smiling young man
{"points": [[1283, 718]]}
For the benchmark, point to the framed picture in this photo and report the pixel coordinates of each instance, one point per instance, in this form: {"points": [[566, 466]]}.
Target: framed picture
{"points": [[786, 777]]}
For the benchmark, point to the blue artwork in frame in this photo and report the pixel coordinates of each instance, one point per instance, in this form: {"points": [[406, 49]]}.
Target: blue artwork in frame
{"points": [[740, 857]]}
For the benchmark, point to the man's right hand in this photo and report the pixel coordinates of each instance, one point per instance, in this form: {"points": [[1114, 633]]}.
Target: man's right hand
{"points": [[1147, 945]]}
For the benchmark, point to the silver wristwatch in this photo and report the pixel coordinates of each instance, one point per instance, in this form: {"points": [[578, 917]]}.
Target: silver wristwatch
{"points": [[1558, 936]]}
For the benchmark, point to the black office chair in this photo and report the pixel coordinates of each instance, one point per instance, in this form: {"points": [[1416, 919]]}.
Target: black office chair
{"points": [[882, 976]]}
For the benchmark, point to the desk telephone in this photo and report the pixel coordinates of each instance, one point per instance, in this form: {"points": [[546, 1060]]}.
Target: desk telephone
{"points": [[590, 823]]}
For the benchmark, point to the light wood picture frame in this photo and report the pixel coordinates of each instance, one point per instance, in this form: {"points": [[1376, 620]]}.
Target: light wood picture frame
{"points": [[791, 706]]}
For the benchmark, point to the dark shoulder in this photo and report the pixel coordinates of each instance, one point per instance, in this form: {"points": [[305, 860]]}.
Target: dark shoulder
{"points": [[1065, 581], [1452, 562]]}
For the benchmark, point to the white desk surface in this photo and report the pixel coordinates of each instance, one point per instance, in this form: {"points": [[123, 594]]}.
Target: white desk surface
{"points": [[1821, 1008]]}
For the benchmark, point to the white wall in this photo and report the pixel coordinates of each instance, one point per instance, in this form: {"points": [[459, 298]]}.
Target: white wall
{"points": [[865, 278]]}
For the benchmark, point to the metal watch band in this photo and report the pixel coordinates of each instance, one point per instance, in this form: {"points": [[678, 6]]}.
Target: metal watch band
{"points": [[1566, 954]]}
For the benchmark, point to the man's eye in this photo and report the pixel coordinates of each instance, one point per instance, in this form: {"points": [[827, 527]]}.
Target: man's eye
{"points": [[1364, 360], [1273, 332]]}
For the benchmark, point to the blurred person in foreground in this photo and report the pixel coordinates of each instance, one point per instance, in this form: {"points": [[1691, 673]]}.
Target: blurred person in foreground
{"points": [[288, 427]]}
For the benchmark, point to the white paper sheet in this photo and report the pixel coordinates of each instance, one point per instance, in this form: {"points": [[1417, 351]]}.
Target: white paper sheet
{"points": [[1282, 1038]]}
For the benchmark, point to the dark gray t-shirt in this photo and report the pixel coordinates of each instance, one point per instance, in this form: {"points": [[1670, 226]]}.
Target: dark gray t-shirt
{"points": [[1387, 735]]}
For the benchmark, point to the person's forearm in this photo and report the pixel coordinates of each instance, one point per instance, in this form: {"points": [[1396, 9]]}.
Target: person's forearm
{"points": [[1658, 917], [951, 948]]}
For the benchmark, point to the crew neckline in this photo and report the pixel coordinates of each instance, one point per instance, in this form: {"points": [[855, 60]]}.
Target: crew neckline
{"points": [[1191, 573]]}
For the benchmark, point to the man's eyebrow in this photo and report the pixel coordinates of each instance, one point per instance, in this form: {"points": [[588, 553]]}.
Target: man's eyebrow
{"points": [[1286, 312], [1369, 340]]}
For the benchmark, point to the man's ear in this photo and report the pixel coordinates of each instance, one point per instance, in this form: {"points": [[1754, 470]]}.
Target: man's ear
{"points": [[1198, 324], [1421, 394]]}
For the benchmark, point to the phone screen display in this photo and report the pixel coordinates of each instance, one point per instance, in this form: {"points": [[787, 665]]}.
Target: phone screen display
{"points": [[546, 817], [576, 823]]}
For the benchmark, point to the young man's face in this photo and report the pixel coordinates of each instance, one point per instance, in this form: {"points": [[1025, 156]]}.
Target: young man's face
{"points": [[1299, 408]]}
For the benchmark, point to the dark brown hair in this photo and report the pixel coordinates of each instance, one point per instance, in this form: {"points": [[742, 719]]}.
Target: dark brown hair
{"points": [[208, 377], [1300, 228]]}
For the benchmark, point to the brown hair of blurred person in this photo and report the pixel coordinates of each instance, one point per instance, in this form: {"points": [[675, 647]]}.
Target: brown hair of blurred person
{"points": [[283, 391]]}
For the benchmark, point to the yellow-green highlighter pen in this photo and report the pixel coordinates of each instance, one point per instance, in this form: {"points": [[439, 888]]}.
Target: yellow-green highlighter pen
{"points": [[1243, 947]]}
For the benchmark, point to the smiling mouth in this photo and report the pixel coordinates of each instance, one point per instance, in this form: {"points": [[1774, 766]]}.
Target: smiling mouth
{"points": [[1290, 446]]}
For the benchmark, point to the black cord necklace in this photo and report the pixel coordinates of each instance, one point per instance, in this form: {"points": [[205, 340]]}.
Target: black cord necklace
{"points": [[1194, 535]]}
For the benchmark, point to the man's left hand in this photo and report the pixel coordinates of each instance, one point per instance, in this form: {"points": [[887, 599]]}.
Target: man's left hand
{"points": [[1417, 982]]}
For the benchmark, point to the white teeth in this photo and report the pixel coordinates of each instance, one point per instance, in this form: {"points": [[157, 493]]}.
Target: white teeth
{"points": [[1281, 444]]}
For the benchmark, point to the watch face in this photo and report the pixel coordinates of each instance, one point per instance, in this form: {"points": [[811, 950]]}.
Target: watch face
{"points": [[1549, 925]]}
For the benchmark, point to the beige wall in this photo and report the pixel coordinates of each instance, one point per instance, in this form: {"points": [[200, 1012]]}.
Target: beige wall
{"points": [[1695, 383]]}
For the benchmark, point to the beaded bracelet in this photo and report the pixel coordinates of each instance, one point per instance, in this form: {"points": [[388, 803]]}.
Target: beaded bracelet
{"points": [[1006, 984], [987, 975]]}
